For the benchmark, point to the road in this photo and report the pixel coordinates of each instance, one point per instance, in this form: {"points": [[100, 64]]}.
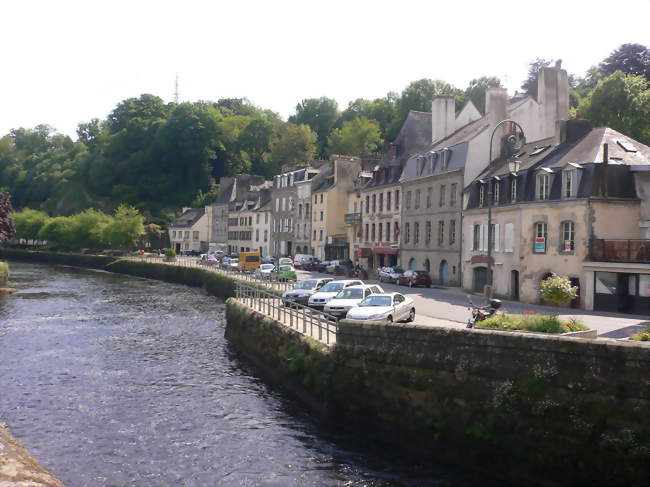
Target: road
{"points": [[448, 307]]}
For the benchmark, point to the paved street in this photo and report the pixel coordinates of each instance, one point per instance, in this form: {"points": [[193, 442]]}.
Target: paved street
{"points": [[448, 307]]}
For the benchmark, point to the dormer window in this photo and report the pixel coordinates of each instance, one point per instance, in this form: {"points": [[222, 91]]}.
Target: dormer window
{"points": [[433, 159], [569, 182], [444, 159], [481, 196], [543, 189], [495, 193], [513, 189]]}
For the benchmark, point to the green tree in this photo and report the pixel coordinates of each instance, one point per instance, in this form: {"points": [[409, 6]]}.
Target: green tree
{"points": [[359, 137], [383, 110], [622, 102], [87, 228], [320, 114], [628, 58], [295, 145], [125, 228], [477, 89], [7, 227], [57, 230], [29, 223]]}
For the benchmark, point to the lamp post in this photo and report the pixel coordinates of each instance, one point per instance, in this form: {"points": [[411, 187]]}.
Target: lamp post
{"points": [[514, 143]]}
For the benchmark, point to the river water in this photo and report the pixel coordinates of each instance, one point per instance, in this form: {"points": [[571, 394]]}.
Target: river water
{"points": [[118, 381]]}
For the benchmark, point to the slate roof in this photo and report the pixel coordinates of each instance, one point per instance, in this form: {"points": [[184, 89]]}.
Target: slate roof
{"points": [[324, 179], [189, 218]]}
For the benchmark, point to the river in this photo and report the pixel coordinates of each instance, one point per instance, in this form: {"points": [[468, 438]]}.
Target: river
{"points": [[118, 381]]}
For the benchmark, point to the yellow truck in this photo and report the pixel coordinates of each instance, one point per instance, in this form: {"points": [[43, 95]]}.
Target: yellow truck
{"points": [[249, 261]]}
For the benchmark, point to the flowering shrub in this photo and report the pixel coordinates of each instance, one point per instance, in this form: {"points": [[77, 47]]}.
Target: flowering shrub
{"points": [[557, 290], [535, 322]]}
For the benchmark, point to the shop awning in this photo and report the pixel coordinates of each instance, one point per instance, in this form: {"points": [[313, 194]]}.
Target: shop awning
{"points": [[384, 251]]}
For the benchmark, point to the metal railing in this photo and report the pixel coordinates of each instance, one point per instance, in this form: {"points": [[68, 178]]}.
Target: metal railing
{"points": [[271, 282], [315, 324]]}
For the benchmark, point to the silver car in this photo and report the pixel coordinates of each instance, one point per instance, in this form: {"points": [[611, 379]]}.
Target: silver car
{"points": [[384, 307], [303, 290]]}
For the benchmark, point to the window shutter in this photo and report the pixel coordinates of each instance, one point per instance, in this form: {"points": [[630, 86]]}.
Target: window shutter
{"points": [[496, 236], [509, 236], [483, 237]]}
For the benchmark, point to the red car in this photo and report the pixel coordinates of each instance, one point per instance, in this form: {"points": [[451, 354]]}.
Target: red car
{"points": [[414, 278]]}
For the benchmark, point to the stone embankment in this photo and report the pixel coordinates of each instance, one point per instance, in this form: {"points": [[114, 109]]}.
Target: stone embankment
{"points": [[18, 468], [534, 410]]}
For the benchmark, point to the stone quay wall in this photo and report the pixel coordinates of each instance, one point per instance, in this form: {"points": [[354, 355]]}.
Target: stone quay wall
{"points": [[530, 409]]}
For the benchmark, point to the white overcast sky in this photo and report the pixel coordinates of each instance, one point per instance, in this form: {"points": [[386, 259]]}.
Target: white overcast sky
{"points": [[68, 61]]}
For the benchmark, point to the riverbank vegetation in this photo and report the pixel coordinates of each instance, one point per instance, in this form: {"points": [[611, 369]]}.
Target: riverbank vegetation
{"points": [[535, 322], [160, 157]]}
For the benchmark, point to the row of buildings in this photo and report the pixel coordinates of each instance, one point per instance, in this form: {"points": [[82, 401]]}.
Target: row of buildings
{"points": [[551, 194]]}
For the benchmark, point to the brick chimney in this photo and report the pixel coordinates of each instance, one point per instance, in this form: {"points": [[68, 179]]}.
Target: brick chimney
{"points": [[443, 117]]}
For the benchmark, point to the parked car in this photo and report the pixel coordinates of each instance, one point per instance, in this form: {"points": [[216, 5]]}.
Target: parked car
{"points": [[390, 274], [208, 259], [224, 262], [339, 267], [264, 271], [384, 307], [299, 260], [414, 278], [322, 266], [285, 273], [350, 297], [329, 290], [285, 261], [311, 265], [302, 290], [233, 264], [269, 259]]}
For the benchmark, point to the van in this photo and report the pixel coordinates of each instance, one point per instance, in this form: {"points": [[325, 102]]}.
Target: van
{"points": [[300, 260], [249, 261]]}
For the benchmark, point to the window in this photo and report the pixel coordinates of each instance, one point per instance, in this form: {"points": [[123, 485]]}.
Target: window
{"points": [[380, 231], [174, 234], [374, 203], [257, 218], [388, 195], [315, 198], [307, 213], [266, 217], [569, 183], [494, 236], [290, 203], [321, 235], [452, 232], [408, 200], [321, 216], [443, 195], [543, 188], [481, 195], [397, 199], [427, 233], [257, 235], [495, 192], [407, 232], [388, 239], [381, 203], [417, 199], [372, 232], [396, 230], [314, 234], [300, 211], [509, 237], [284, 204], [321, 199], [452, 196], [441, 232], [568, 237], [513, 189], [368, 204], [429, 194], [540, 238], [476, 243], [187, 234], [416, 233], [367, 227], [195, 235]]}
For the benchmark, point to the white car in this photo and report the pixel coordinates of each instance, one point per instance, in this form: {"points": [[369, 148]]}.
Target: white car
{"points": [[349, 298], [233, 264], [384, 307], [264, 271], [329, 290], [285, 261]]}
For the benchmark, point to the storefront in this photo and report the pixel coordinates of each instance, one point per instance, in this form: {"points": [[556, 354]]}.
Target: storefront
{"points": [[618, 288]]}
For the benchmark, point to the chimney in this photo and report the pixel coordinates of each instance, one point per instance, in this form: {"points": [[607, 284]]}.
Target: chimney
{"points": [[553, 97], [495, 110], [443, 117], [606, 170], [392, 151]]}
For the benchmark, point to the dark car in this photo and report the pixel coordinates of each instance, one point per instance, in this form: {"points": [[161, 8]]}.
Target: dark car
{"points": [[311, 265], [302, 290], [390, 274], [414, 278], [322, 266]]}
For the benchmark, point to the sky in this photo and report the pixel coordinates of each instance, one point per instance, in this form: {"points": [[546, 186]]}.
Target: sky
{"points": [[68, 61]]}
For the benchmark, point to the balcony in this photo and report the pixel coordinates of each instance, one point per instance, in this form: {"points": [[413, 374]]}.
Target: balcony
{"points": [[620, 250], [352, 218]]}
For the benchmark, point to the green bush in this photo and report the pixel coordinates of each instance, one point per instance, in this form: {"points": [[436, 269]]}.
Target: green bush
{"points": [[4, 273], [538, 323], [557, 290], [170, 253], [642, 336]]}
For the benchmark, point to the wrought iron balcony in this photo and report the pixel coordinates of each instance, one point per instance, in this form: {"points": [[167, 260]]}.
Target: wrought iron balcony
{"points": [[620, 250], [352, 218]]}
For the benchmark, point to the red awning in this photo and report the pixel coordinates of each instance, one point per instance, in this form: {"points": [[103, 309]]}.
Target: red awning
{"points": [[385, 251]]}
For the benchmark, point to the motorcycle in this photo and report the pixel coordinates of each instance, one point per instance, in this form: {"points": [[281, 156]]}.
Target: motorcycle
{"points": [[480, 313]]}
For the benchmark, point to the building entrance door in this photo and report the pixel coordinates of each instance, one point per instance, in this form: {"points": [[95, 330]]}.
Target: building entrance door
{"points": [[480, 279], [514, 285], [444, 273]]}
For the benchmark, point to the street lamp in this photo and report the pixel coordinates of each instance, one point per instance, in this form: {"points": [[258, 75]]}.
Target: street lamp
{"points": [[514, 143]]}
